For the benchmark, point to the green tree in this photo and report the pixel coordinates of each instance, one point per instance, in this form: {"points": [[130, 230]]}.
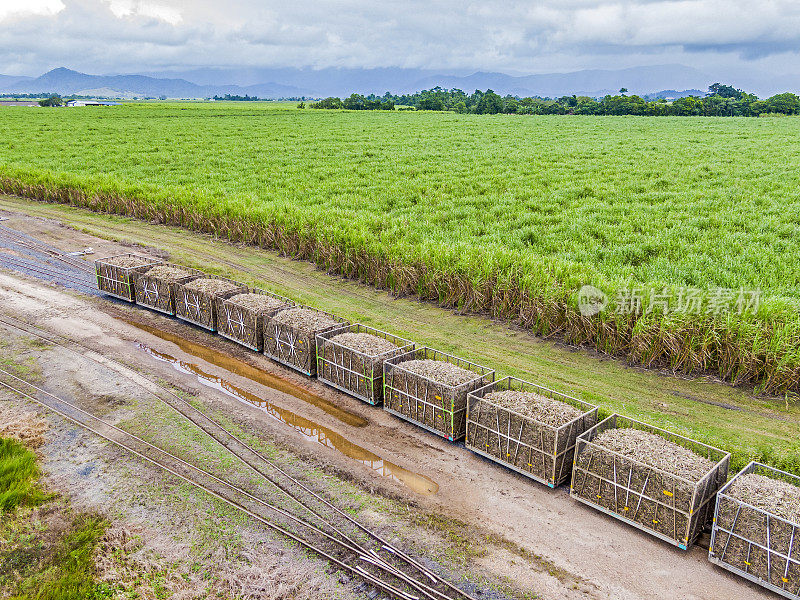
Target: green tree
{"points": [[510, 105], [431, 100], [53, 100], [726, 91], [786, 103], [331, 102], [489, 104], [355, 102]]}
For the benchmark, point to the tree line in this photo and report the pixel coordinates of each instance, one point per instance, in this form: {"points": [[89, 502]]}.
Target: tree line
{"points": [[720, 101], [356, 102]]}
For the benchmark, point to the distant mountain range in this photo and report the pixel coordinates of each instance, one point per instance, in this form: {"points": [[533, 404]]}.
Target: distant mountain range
{"points": [[656, 81], [672, 94], [343, 82], [66, 81]]}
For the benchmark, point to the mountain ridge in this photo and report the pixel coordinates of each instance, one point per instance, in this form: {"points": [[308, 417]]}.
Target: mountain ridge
{"points": [[67, 81], [294, 82]]}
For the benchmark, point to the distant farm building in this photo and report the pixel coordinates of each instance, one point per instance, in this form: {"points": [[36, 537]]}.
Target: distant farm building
{"points": [[91, 103], [19, 103]]}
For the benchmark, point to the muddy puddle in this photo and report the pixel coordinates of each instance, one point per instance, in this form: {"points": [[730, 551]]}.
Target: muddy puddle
{"points": [[307, 428], [243, 369]]}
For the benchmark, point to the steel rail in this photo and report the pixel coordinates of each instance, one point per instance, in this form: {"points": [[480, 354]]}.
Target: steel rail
{"points": [[135, 376], [34, 244], [355, 570], [46, 270], [384, 544], [46, 259]]}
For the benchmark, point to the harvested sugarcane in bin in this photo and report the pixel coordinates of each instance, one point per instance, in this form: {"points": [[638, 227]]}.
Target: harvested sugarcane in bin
{"points": [[429, 388], [527, 427], [351, 359], [196, 300], [658, 481], [241, 317], [290, 336], [116, 274], [756, 531], [154, 287]]}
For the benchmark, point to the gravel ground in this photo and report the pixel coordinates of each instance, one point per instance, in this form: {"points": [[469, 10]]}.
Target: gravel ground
{"points": [[655, 451], [366, 343], [530, 404], [211, 286], [304, 319], [440, 371], [257, 302]]}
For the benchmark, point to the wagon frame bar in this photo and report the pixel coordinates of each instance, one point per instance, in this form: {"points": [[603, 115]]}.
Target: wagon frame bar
{"points": [[279, 342], [403, 346], [129, 274], [259, 317]]}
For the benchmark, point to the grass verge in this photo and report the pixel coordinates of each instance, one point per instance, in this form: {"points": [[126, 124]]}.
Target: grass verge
{"points": [[46, 551]]}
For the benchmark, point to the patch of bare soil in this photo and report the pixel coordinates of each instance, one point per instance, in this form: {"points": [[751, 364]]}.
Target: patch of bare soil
{"points": [[26, 426]]}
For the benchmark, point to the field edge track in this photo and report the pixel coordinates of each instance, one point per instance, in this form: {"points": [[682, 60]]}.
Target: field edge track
{"points": [[740, 351]]}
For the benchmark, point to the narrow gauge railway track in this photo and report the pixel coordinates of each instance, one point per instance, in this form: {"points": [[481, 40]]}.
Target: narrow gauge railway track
{"points": [[42, 270], [25, 240], [327, 517], [341, 555], [44, 261]]}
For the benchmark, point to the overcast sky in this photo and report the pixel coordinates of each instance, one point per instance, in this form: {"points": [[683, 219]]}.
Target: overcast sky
{"points": [[725, 38]]}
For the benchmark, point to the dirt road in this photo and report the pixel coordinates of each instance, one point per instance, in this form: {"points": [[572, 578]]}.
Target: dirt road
{"points": [[545, 541]]}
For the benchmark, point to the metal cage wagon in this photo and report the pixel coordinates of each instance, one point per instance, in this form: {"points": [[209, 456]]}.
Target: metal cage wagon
{"points": [[356, 373], [244, 324], [754, 543], [665, 505], [520, 442], [198, 307], [291, 346], [159, 293], [437, 407], [119, 281]]}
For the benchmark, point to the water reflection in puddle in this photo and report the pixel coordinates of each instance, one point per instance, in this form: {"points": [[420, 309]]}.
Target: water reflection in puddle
{"points": [[243, 369], [309, 429]]}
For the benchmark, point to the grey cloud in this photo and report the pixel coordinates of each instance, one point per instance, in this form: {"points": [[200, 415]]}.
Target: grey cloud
{"points": [[505, 35]]}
